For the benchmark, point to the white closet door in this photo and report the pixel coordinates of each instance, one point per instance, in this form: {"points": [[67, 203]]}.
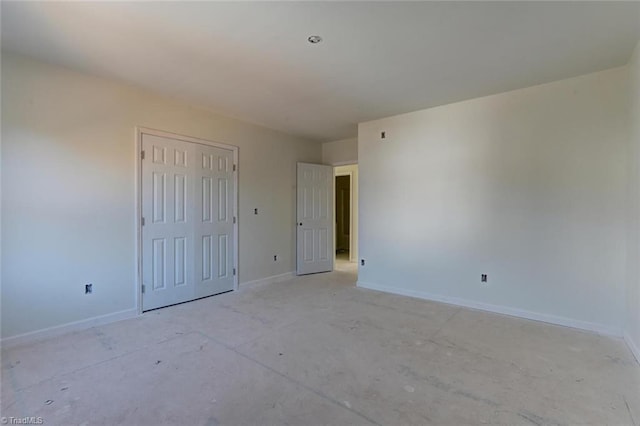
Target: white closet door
{"points": [[188, 232], [213, 221], [167, 233]]}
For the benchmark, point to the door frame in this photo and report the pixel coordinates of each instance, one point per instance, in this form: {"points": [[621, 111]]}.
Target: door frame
{"points": [[335, 237], [139, 131]]}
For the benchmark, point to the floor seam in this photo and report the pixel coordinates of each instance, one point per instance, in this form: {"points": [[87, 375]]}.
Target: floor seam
{"points": [[18, 400], [291, 379], [435, 333], [272, 330], [633, 420], [77, 370], [394, 309]]}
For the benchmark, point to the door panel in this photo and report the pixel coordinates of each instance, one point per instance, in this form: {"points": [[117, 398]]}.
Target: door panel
{"points": [[314, 214], [159, 267], [180, 260], [167, 197], [188, 237], [214, 222]]}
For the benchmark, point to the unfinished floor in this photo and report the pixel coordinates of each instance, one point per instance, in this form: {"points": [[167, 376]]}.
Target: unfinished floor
{"points": [[315, 350]]}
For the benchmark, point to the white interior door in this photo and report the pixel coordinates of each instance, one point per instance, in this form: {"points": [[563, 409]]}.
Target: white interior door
{"points": [[315, 218], [188, 231]]}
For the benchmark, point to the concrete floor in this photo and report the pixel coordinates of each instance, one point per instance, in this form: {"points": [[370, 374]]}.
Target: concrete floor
{"points": [[315, 350]]}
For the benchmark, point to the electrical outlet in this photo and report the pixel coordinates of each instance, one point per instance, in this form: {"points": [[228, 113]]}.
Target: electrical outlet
{"points": [[483, 278], [88, 288], [275, 257], [255, 211], [362, 262], [383, 135]]}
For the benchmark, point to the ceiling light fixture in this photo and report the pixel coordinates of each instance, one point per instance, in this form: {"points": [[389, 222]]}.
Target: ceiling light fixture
{"points": [[314, 39]]}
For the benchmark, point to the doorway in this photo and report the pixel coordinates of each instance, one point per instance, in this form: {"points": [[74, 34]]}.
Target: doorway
{"points": [[343, 217], [346, 214]]}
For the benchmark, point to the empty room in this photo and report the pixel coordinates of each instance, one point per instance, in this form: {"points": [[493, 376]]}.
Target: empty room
{"points": [[320, 213]]}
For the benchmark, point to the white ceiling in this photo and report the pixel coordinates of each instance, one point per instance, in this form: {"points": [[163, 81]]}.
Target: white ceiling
{"points": [[252, 60]]}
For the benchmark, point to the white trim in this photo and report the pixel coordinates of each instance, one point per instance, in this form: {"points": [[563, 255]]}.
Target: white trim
{"points": [[269, 280], [633, 346], [514, 312], [138, 219], [138, 194], [236, 215], [58, 330], [344, 163]]}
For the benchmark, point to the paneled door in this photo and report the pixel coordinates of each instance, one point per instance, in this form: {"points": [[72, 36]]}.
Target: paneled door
{"points": [[213, 232], [188, 221], [315, 218]]}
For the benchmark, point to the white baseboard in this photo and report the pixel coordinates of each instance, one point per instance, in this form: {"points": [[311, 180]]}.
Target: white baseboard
{"points": [[268, 280], [634, 346], [58, 330], [552, 319]]}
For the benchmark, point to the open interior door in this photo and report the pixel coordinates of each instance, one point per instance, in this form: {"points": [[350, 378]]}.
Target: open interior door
{"points": [[315, 218]]}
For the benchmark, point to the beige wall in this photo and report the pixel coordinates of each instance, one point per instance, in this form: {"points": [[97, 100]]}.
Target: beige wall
{"points": [[528, 187], [632, 320], [344, 151], [68, 201]]}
